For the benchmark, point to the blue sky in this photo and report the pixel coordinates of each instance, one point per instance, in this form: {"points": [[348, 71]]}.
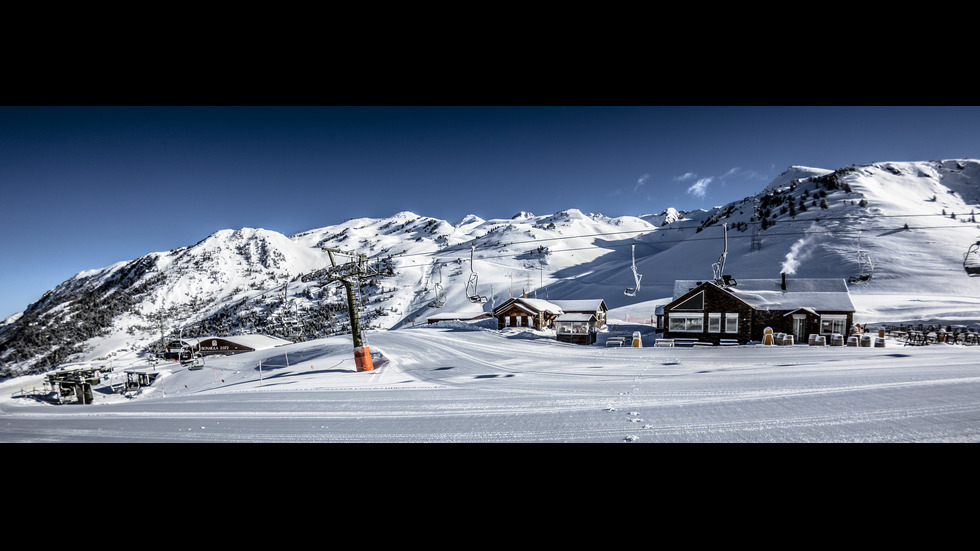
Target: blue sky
{"points": [[85, 187]]}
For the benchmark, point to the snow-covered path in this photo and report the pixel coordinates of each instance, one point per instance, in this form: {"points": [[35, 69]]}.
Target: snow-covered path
{"points": [[444, 385]]}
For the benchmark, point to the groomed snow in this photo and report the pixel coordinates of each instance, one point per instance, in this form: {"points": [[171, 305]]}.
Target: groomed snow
{"points": [[463, 383]]}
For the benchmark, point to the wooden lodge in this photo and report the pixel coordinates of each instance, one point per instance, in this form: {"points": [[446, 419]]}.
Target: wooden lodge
{"points": [[596, 307], [712, 313], [208, 346], [576, 328], [526, 312], [575, 321]]}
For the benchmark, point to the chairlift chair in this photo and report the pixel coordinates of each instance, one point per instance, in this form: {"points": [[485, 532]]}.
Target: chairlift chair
{"points": [[439, 301], [631, 291], [197, 363], [864, 260], [971, 260], [718, 268], [471, 284]]}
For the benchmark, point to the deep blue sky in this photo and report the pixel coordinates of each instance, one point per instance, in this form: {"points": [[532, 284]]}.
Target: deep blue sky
{"points": [[85, 187]]}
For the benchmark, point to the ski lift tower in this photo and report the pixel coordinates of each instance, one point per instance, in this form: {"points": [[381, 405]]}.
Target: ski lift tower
{"points": [[350, 274]]}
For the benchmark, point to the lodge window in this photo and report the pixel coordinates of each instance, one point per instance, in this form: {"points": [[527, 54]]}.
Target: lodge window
{"points": [[714, 322], [830, 324], [693, 303], [731, 322], [690, 323], [572, 327]]}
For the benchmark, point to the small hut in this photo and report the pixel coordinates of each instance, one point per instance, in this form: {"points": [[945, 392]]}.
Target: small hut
{"points": [[577, 328]]}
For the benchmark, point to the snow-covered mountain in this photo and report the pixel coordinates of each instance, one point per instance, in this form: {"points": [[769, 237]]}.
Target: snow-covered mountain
{"points": [[903, 226]]}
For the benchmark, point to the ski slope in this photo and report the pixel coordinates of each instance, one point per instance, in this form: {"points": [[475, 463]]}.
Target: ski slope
{"points": [[458, 383]]}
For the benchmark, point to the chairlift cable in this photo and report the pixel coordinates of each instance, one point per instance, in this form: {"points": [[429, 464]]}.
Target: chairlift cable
{"points": [[693, 238]]}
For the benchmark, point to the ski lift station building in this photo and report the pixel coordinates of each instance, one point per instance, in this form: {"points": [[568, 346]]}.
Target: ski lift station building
{"points": [[207, 346], [713, 312], [457, 316]]}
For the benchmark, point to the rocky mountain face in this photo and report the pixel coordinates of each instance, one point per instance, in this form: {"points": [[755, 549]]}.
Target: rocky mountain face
{"points": [[912, 218]]}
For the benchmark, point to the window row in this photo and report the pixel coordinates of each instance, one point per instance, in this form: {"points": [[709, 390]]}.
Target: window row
{"points": [[694, 323]]}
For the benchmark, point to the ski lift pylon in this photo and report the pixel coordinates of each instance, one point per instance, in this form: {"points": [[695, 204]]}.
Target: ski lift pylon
{"points": [[631, 291], [471, 284]]}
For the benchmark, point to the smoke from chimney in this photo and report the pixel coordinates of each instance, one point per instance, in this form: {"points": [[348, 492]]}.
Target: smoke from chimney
{"points": [[799, 252]]}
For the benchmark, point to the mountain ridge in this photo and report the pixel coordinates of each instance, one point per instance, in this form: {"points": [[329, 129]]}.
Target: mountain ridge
{"points": [[816, 222]]}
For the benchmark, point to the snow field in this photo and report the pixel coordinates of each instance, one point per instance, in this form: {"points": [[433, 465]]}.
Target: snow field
{"points": [[455, 385]]}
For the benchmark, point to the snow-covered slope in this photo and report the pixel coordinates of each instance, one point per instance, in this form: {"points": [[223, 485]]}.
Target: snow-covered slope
{"points": [[903, 225]]}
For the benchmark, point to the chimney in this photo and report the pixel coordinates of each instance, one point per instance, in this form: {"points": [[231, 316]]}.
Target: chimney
{"points": [[784, 280]]}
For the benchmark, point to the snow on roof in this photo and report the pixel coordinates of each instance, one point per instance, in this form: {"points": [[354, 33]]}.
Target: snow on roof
{"points": [[256, 342], [457, 315], [580, 305], [536, 304], [809, 310], [259, 342], [767, 294], [542, 305], [575, 317]]}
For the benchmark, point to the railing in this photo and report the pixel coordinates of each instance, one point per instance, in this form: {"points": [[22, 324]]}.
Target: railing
{"points": [[637, 319], [33, 391]]}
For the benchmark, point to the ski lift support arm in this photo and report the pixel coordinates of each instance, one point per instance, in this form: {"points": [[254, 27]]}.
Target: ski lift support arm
{"points": [[719, 267], [348, 274], [631, 291]]}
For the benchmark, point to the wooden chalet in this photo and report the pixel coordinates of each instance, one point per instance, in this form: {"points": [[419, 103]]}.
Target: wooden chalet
{"points": [[709, 312], [526, 312], [597, 307], [576, 321], [576, 328]]}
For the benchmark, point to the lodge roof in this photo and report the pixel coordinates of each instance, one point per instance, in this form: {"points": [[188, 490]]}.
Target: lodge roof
{"points": [[576, 317], [825, 294], [451, 316], [555, 307], [532, 305], [581, 305], [256, 342]]}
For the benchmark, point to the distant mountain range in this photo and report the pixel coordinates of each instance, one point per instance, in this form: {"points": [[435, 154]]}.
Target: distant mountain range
{"points": [[895, 228]]}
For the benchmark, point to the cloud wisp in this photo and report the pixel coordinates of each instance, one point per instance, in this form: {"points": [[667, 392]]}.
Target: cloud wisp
{"points": [[700, 188], [641, 182]]}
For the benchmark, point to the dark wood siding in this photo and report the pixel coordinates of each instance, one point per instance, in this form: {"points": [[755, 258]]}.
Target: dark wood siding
{"points": [[519, 317], [715, 301], [751, 323], [220, 346]]}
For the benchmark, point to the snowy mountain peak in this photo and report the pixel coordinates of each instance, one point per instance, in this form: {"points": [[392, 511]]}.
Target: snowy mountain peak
{"points": [[913, 220], [794, 173], [470, 220], [666, 217]]}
